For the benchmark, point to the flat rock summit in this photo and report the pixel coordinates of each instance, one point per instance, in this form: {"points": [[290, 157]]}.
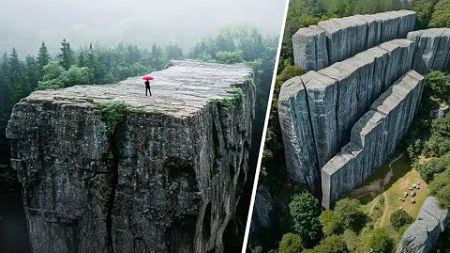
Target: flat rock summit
{"points": [[182, 89], [104, 168]]}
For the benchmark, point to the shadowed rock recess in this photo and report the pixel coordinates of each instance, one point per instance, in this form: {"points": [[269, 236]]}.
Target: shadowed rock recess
{"points": [[422, 235], [106, 169], [340, 122]]}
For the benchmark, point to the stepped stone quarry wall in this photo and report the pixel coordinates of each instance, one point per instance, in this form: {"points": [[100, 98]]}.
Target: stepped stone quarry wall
{"points": [[432, 49], [422, 235], [318, 109], [334, 40], [373, 138], [167, 180]]}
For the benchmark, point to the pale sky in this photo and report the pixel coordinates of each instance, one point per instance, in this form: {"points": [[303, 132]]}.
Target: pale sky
{"points": [[25, 23]]}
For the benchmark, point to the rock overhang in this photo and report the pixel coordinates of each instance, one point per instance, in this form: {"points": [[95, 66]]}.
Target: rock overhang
{"points": [[179, 91]]}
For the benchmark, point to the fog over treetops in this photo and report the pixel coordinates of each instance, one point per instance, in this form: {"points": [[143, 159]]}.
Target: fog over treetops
{"points": [[25, 23]]}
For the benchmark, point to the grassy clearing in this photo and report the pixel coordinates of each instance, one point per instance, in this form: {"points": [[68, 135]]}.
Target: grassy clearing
{"points": [[380, 195]]}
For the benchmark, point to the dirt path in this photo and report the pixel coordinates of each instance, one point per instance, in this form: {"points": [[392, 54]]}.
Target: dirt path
{"points": [[386, 180], [386, 206]]}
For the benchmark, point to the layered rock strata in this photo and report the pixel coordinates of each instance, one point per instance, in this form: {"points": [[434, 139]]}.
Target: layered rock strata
{"points": [[373, 138], [334, 40], [162, 174], [431, 49], [317, 110], [422, 235]]}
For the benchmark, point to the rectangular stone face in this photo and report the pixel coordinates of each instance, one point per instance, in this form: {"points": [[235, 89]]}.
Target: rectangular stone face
{"points": [[167, 178], [309, 45], [331, 41], [373, 138], [431, 49], [298, 138]]}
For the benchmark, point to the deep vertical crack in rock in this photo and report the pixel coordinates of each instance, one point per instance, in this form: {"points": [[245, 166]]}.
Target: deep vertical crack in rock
{"points": [[114, 145], [317, 189]]}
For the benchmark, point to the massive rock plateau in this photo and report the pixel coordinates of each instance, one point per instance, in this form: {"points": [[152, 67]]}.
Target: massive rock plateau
{"points": [[318, 109], [159, 174], [422, 235], [373, 138], [330, 41]]}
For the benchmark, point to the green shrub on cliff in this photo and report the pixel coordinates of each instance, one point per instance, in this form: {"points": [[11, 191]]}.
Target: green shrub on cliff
{"points": [[113, 114]]}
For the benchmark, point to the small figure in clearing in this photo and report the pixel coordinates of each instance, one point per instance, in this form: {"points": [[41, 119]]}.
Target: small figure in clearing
{"points": [[147, 79]]}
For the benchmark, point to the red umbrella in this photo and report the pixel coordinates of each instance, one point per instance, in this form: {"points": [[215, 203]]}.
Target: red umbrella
{"points": [[147, 77]]}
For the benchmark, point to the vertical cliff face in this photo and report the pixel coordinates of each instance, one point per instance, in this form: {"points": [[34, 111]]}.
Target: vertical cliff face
{"points": [[374, 138], [297, 133], [331, 41], [152, 174], [422, 235]]}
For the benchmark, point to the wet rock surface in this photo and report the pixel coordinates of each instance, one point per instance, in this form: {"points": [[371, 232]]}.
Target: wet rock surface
{"points": [[374, 138], [331, 41], [166, 180], [422, 235]]}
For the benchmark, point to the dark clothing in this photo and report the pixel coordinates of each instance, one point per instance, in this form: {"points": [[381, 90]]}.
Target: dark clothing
{"points": [[147, 88]]}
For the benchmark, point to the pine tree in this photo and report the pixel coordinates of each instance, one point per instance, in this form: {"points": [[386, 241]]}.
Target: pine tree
{"points": [[43, 57], [16, 76], [95, 66], [81, 60], [5, 89], [66, 58], [32, 71]]}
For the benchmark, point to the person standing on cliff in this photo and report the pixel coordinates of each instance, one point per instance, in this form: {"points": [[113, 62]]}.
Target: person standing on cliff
{"points": [[147, 79], [147, 88]]}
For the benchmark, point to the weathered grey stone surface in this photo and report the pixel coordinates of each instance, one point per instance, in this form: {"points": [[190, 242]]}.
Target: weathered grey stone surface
{"points": [[310, 48], [298, 138], [422, 235], [167, 181], [373, 138], [432, 49], [334, 40]]}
